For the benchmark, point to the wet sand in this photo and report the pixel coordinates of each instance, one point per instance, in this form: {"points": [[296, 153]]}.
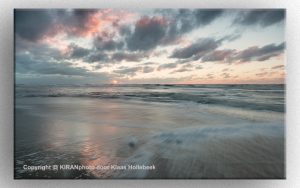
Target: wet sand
{"points": [[180, 140]]}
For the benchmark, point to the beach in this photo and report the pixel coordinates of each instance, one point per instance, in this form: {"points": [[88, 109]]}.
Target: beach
{"points": [[177, 130]]}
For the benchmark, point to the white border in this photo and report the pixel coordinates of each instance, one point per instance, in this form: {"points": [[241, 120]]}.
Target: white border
{"points": [[293, 91]]}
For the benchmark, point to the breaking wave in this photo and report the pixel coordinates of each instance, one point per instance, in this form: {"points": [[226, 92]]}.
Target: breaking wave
{"points": [[254, 97]]}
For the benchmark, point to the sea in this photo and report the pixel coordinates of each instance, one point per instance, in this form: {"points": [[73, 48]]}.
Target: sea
{"points": [[180, 131]]}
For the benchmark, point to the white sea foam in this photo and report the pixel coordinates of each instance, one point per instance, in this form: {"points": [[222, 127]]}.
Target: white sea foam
{"points": [[222, 151]]}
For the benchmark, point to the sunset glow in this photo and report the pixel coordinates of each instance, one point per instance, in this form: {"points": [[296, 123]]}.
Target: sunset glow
{"points": [[150, 46], [114, 82]]}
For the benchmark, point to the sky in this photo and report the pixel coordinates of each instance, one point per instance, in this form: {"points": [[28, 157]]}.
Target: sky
{"points": [[149, 46]]}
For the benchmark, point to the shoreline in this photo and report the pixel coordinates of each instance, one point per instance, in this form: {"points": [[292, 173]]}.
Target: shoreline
{"points": [[254, 149]]}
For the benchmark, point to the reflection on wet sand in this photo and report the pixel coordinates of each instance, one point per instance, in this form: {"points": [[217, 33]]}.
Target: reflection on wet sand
{"points": [[182, 141]]}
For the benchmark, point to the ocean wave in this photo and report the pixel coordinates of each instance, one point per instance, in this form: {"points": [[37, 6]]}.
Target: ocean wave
{"points": [[254, 97], [240, 101]]}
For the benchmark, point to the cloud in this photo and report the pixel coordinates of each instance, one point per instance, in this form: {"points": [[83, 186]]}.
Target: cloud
{"points": [[96, 57], [147, 34], [75, 22], [186, 20], [32, 24], [33, 71], [206, 50], [41, 51], [184, 68], [128, 71], [263, 17], [123, 56], [218, 55], [205, 17], [97, 66], [147, 69], [167, 66], [131, 71], [181, 70], [52, 42], [199, 67], [197, 49], [278, 67], [262, 74], [92, 56], [107, 44], [149, 63], [225, 75], [256, 53], [187, 66], [76, 51], [60, 69], [210, 76], [26, 64], [167, 27]]}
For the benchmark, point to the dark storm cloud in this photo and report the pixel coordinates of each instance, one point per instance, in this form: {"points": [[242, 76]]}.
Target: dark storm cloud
{"points": [[80, 16], [60, 69], [32, 71], [107, 44], [205, 17], [77, 51], [218, 55], [147, 34], [41, 51], [259, 53], [116, 57], [263, 17], [62, 73], [205, 49], [23, 63], [96, 57], [97, 66], [74, 17], [185, 20], [26, 64], [150, 32], [198, 49], [74, 22], [32, 24], [123, 56]]}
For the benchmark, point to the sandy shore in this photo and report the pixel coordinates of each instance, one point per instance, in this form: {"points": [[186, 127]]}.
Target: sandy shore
{"points": [[187, 155], [182, 141]]}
